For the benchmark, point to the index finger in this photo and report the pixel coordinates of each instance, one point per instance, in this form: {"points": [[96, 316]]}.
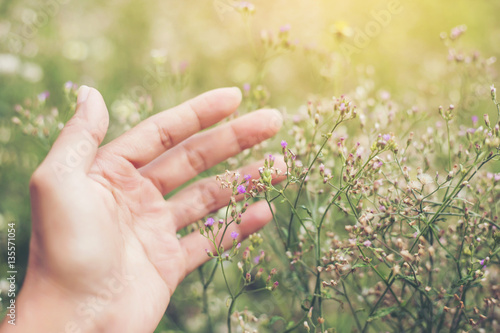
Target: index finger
{"points": [[158, 133]]}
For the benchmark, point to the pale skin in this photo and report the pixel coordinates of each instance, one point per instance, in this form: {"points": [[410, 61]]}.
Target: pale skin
{"points": [[104, 252]]}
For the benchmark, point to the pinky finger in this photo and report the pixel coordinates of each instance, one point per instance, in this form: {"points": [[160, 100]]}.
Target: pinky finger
{"points": [[195, 245]]}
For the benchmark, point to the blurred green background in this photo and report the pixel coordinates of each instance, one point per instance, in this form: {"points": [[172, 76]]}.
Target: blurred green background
{"points": [[173, 50]]}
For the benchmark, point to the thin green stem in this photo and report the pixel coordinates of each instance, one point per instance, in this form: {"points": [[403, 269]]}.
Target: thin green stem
{"points": [[355, 315]]}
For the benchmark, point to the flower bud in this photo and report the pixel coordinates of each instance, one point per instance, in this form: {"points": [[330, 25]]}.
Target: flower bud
{"points": [[486, 120], [259, 273], [275, 285]]}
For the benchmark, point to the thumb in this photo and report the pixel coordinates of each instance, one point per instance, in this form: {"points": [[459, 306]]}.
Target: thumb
{"points": [[76, 147]]}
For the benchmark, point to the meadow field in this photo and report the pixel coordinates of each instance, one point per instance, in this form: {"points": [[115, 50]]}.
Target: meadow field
{"points": [[387, 220]]}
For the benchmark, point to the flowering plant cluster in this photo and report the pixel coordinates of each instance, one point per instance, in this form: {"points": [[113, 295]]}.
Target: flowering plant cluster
{"points": [[416, 245], [398, 228], [35, 118], [251, 273]]}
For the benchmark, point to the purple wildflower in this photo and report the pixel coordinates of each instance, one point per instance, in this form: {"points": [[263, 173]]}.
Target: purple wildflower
{"points": [[210, 222], [43, 96], [68, 85], [386, 137], [474, 120], [284, 144], [248, 177], [377, 164], [234, 235], [241, 189], [256, 260], [367, 243]]}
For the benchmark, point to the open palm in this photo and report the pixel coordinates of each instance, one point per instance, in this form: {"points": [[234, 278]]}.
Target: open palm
{"points": [[104, 239]]}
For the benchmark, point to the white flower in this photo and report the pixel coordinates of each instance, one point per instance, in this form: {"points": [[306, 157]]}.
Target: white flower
{"points": [[414, 185], [425, 179]]}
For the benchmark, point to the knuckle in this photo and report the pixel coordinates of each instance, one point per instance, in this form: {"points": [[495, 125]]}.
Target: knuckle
{"points": [[196, 159], [243, 142], [209, 194], [194, 108], [165, 136]]}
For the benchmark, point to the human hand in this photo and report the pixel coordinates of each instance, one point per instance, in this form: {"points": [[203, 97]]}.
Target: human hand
{"points": [[104, 255]]}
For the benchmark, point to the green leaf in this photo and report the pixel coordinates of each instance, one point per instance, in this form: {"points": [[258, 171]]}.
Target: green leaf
{"points": [[359, 265], [462, 281], [307, 210], [382, 313], [275, 319]]}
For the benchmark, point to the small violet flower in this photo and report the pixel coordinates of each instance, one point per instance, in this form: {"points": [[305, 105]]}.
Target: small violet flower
{"points": [[241, 189], [210, 222], [234, 235], [68, 85], [474, 120], [284, 144], [377, 165], [43, 96]]}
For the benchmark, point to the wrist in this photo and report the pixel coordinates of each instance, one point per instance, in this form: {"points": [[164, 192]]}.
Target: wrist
{"points": [[44, 307]]}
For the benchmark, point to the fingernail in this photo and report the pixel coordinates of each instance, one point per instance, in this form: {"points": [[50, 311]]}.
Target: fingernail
{"points": [[279, 117], [237, 91], [83, 93]]}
